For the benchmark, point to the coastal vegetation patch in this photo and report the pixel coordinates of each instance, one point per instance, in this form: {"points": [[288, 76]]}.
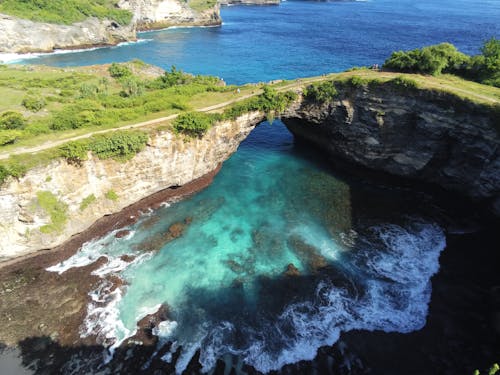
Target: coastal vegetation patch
{"points": [[65, 11], [111, 195], [87, 201], [445, 58], [42, 102], [271, 102], [55, 209]]}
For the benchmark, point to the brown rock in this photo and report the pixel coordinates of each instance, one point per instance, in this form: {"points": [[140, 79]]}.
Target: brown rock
{"points": [[122, 233], [291, 270]]}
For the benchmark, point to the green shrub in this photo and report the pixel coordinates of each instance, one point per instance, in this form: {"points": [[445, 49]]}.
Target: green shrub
{"points": [[433, 60], [88, 90], [87, 202], [75, 152], [33, 104], [12, 120], [111, 195], [9, 136], [193, 123], [120, 145], [356, 81], [119, 71], [445, 58], [55, 209], [404, 82], [321, 92], [132, 87]]}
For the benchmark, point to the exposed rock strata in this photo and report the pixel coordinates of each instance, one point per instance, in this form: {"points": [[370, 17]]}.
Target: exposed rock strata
{"points": [[167, 161], [419, 134], [22, 36], [157, 14]]}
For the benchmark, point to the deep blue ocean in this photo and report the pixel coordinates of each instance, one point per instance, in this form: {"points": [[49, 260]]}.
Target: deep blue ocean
{"points": [[365, 255], [304, 38]]}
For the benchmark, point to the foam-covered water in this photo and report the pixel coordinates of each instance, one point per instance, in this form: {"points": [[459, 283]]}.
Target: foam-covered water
{"points": [[224, 280]]}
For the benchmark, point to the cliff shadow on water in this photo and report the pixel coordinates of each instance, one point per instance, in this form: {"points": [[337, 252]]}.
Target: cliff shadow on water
{"points": [[388, 240]]}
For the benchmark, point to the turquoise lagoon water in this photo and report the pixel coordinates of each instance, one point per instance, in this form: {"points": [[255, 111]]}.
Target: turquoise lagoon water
{"points": [[273, 204], [364, 256]]}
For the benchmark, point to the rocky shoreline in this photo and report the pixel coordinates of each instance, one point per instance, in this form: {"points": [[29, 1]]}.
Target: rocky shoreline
{"points": [[47, 324], [26, 278], [21, 36]]}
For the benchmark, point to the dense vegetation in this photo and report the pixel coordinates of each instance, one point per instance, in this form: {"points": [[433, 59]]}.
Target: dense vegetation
{"points": [[118, 145], [271, 102], [65, 11], [62, 101], [445, 58], [321, 92]]}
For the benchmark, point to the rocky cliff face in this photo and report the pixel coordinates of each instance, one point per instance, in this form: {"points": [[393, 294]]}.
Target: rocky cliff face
{"points": [[156, 14], [167, 161], [418, 134], [22, 36]]}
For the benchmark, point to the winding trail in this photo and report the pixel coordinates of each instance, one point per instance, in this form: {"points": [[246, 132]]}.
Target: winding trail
{"points": [[428, 82], [52, 144]]}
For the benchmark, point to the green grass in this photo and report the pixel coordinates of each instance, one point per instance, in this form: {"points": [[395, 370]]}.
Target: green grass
{"points": [[65, 11], [80, 100], [67, 114], [201, 5], [55, 209], [87, 201], [111, 195]]}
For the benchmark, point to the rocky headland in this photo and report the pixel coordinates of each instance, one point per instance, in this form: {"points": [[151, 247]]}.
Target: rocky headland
{"points": [[431, 136], [19, 35], [158, 14]]}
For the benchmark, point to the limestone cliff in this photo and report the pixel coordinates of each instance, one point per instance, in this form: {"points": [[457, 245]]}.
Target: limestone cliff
{"points": [[167, 161], [419, 134], [156, 14], [22, 36]]}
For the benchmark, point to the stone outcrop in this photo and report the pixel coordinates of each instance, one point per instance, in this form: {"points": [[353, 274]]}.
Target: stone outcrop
{"points": [[22, 36], [425, 135], [157, 14], [167, 161]]}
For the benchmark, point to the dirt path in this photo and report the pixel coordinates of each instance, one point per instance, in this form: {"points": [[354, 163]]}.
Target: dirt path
{"points": [[299, 83]]}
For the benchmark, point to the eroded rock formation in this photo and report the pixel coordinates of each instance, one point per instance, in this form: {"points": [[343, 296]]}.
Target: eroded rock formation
{"points": [[167, 161], [431, 136]]}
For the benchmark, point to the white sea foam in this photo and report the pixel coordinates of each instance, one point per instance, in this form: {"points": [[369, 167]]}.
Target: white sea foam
{"points": [[91, 251], [165, 329], [103, 316], [395, 298], [10, 58]]}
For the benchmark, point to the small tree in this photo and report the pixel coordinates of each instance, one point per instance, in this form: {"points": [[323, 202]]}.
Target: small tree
{"points": [[119, 71], [12, 120]]}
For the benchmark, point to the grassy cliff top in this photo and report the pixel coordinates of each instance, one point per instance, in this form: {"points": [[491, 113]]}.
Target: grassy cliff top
{"points": [[65, 11], [447, 83], [44, 108]]}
